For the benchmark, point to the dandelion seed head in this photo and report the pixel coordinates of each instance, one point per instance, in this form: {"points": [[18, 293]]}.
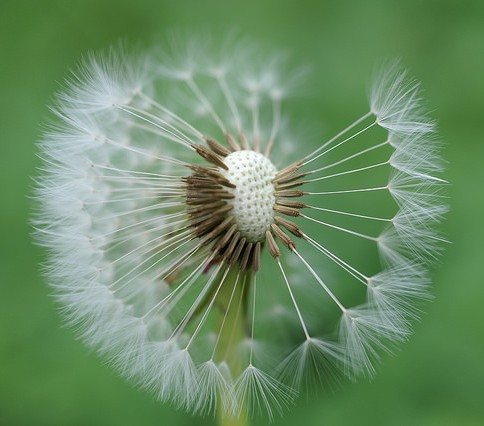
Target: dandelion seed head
{"points": [[189, 249]]}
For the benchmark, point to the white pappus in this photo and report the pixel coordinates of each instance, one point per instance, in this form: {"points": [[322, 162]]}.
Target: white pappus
{"points": [[211, 255]]}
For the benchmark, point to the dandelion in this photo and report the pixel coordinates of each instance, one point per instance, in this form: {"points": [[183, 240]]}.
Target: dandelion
{"points": [[213, 257]]}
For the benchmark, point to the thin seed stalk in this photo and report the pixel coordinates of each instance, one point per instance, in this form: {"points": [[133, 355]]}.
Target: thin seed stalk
{"points": [[232, 318]]}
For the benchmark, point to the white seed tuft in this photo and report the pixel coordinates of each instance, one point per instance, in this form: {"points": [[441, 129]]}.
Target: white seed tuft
{"points": [[156, 229]]}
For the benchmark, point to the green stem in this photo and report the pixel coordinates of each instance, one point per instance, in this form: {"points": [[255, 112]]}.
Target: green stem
{"points": [[232, 306], [223, 420]]}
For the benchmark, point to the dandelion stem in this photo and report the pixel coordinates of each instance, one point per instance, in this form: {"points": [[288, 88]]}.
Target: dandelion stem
{"points": [[225, 420], [231, 323]]}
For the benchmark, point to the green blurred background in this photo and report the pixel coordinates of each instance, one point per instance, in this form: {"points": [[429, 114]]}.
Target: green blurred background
{"points": [[48, 378]]}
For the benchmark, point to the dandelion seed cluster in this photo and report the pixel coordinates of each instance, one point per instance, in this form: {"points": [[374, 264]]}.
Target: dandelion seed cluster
{"points": [[192, 248]]}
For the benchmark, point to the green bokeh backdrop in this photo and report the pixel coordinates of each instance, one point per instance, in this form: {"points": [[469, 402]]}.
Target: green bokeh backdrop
{"points": [[48, 378]]}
